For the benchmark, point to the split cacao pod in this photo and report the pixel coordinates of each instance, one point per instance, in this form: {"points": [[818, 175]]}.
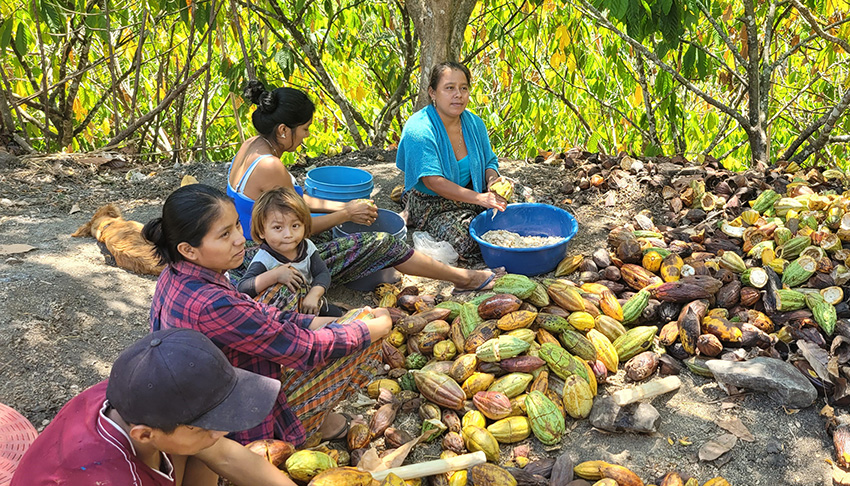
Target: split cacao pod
{"points": [[358, 436], [641, 366], [273, 450]]}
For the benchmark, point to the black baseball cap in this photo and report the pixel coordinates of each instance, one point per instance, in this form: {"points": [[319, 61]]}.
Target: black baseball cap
{"points": [[177, 377]]}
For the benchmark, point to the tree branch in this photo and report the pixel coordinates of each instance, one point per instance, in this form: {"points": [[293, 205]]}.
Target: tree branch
{"points": [[720, 136], [828, 125], [352, 117], [174, 93], [566, 101], [395, 100], [647, 101], [604, 22], [817, 28]]}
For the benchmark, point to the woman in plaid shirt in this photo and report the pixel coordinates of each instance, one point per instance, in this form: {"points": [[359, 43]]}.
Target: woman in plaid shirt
{"points": [[199, 237]]}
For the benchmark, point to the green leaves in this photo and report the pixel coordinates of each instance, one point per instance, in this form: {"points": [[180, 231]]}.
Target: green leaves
{"points": [[22, 39], [6, 33]]}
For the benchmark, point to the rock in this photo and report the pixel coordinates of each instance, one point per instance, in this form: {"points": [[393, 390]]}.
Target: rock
{"points": [[780, 380], [8, 161], [635, 417]]}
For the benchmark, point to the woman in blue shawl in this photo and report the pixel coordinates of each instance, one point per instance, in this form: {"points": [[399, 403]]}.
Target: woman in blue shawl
{"points": [[448, 162]]}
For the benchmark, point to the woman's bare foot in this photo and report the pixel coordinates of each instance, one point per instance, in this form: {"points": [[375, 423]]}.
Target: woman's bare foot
{"points": [[480, 280]]}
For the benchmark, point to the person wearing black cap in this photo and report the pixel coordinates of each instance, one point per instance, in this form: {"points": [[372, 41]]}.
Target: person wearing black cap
{"points": [[160, 419]]}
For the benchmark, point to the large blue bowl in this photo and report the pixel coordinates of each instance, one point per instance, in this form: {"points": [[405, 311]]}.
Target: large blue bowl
{"points": [[339, 183], [525, 219]]}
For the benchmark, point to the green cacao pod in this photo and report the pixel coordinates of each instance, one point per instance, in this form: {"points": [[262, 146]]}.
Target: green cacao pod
{"points": [[415, 361], [634, 341], [304, 465], [547, 422], [502, 347], [518, 285]]}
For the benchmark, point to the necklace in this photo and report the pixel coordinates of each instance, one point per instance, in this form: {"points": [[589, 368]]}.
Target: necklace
{"points": [[270, 146]]}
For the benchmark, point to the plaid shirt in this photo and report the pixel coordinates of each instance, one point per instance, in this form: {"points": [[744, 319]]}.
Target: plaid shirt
{"points": [[254, 336]]}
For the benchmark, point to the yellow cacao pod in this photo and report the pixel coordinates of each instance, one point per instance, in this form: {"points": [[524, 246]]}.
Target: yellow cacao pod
{"points": [[478, 439], [511, 429]]}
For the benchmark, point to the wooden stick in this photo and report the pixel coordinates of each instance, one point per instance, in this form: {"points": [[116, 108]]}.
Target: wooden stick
{"points": [[431, 468], [646, 390]]}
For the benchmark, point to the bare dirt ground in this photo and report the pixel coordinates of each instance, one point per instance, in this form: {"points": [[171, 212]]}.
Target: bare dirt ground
{"points": [[65, 314]]}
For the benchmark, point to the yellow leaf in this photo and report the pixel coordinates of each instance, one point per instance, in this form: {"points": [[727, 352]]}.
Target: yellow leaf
{"points": [[563, 35], [359, 93], [77, 107], [556, 60], [571, 62], [637, 97], [669, 441]]}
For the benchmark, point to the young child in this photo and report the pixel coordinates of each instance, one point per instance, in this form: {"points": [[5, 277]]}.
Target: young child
{"points": [[280, 222]]}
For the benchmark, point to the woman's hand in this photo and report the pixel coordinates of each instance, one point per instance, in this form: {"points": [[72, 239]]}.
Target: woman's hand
{"points": [[290, 277], [380, 325], [361, 211], [491, 200]]}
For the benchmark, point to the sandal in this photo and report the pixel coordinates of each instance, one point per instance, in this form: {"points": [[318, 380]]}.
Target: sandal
{"points": [[335, 426], [481, 287]]}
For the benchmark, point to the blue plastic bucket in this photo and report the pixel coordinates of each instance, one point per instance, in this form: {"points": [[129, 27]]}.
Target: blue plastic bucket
{"points": [[387, 222], [339, 183], [525, 219]]}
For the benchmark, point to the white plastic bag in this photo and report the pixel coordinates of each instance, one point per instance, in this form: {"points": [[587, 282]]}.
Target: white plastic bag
{"points": [[441, 251]]}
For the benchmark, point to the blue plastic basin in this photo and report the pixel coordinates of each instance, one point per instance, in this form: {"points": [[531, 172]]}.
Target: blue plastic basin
{"points": [[339, 183], [387, 222], [525, 219]]}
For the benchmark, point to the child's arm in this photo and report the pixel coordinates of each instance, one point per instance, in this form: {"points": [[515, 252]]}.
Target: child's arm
{"points": [[248, 283], [310, 304], [283, 274]]}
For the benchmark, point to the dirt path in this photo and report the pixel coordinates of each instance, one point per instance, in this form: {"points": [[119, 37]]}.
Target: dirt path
{"points": [[65, 315]]}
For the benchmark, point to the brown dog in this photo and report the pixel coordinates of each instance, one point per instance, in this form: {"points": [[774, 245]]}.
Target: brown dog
{"points": [[123, 239]]}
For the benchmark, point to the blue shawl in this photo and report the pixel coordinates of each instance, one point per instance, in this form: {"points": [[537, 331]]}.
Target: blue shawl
{"points": [[425, 149]]}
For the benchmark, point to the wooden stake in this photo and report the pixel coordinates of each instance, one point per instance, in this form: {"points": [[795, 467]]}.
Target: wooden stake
{"points": [[431, 468]]}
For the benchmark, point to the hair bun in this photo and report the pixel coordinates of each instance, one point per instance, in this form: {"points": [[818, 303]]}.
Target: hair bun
{"points": [[257, 93]]}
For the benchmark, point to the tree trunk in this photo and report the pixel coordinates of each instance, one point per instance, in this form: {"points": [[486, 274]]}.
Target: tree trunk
{"points": [[758, 145], [440, 25]]}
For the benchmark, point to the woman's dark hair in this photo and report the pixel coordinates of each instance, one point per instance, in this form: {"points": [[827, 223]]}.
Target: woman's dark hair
{"points": [[187, 215], [438, 70], [287, 106]]}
